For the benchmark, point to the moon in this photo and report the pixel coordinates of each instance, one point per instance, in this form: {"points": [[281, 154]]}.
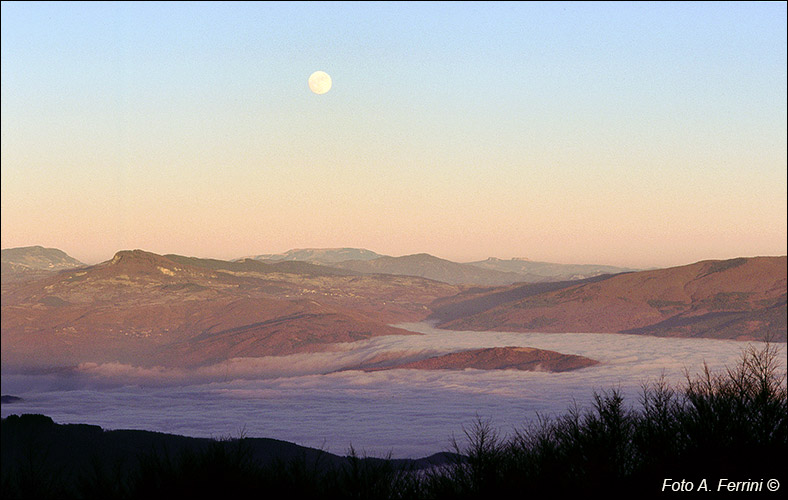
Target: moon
{"points": [[319, 82]]}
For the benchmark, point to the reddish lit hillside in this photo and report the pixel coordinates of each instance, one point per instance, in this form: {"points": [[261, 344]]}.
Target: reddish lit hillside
{"points": [[499, 358], [739, 299], [148, 309]]}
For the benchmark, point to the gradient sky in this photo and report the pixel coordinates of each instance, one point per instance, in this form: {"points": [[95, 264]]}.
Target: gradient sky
{"points": [[643, 134]]}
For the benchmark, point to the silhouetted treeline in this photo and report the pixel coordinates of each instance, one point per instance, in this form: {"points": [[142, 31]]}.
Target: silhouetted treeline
{"points": [[717, 426]]}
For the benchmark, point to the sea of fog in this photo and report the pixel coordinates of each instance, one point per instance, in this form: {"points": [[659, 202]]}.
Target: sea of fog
{"points": [[307, 399]]}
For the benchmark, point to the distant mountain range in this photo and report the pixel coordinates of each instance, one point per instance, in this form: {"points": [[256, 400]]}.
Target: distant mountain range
{"points": [[547, 271], [490, 272], [321, 255], [36, 258]]}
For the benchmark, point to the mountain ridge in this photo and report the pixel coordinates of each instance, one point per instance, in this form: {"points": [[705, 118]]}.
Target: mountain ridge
{"points": [[490, 272], [742, 298], [147, 309], [320, 255]]}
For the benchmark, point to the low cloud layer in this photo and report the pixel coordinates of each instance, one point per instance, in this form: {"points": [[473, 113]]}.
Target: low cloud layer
{"points": [[310, 400]]}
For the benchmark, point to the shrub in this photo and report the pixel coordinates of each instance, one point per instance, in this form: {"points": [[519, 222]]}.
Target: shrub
{"points": [[729, 425]]}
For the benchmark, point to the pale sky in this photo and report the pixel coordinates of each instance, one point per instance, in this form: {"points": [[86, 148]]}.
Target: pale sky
{"points": [[642, 134]]}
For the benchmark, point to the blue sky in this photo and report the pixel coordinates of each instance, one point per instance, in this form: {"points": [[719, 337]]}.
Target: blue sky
{"points": [[641, 134]]}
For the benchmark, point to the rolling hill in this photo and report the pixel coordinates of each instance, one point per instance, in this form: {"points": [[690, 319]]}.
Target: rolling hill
{"points": [[494, 358], [742, 298], [149, 309], [71, 450], [35, 259]]}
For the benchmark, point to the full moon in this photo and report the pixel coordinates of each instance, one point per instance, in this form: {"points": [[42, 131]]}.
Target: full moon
{"points": [[319, 82]]}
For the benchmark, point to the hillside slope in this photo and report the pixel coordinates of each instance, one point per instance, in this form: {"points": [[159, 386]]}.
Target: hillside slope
{"points": [[742, 298], [150, 309]]}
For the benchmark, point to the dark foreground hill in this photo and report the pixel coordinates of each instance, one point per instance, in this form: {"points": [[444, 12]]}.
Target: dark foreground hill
{"points": [[74, 453], [75, 445]]}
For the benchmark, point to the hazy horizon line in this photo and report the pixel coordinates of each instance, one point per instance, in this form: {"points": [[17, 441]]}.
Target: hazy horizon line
{"points": [[251, 255]]}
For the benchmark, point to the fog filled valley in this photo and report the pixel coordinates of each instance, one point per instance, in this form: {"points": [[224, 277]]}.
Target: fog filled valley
{"points": [[326, 357], [312, 400]]}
